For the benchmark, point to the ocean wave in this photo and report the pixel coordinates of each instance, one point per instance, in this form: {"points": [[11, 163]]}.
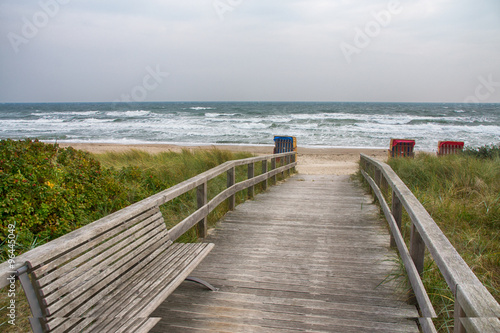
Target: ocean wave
{"points": [[129, 114], [198, 108], [65, 113], [220, 115]]}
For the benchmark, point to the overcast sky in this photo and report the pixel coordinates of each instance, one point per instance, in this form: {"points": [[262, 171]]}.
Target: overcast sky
{"points": [[250, 50]]}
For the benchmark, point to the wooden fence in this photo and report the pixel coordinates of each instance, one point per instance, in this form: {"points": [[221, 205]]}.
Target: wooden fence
{"points": [[199, 217], [476, 310]]}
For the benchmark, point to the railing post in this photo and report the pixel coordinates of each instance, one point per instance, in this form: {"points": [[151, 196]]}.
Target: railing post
{"points": [[231, 179], [288, 159], [397, 212], [201, 198], [251, 174], [273, 166], [384, 185], [264, 170], [457, 314], [282, 160], [378, 176], [417, 249]]}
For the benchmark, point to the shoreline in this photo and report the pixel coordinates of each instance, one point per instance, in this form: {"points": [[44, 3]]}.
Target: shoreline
{"points": [[310, 161]]}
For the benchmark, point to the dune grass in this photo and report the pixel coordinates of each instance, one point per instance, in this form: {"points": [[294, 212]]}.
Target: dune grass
{"points": [[144, 174], [462, 194]]}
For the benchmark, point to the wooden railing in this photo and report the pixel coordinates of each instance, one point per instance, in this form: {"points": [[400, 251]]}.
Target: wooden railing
{"points": [[200, 183], [476, 310], [199, 217]]}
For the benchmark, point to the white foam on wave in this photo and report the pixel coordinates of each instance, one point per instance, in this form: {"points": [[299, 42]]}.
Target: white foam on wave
{"points": [[137, 113], [198, 108], [65, 113]]}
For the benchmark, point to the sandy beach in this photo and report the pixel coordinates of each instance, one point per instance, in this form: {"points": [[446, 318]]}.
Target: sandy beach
{"points": [[311, 161]]}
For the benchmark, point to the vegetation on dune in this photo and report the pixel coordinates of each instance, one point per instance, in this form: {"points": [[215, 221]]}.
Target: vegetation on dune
{"points": [[46, 192], [462, 194]]}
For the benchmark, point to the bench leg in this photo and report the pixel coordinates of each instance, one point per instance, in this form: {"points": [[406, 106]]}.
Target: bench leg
{"points": [[29, 291], [202, 282]]}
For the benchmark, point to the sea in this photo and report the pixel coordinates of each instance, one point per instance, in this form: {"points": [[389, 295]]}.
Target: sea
{"points": [[314, 124]]}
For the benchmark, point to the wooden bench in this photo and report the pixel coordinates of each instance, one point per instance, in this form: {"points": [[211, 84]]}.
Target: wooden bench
{"points": [[108, 276]]}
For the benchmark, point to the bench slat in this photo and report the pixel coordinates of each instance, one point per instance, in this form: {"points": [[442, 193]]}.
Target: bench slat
{"points": [[96, 257], [169, 281], [117, 325], [161, 296], [59, 260], [65, 243], [61, 325], [90, 287], [180, 262], [171, 261], [112, 300], [112, 289]]}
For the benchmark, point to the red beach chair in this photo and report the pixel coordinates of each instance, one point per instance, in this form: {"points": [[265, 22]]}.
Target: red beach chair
{"points": [[449, 147], [401, 148]]}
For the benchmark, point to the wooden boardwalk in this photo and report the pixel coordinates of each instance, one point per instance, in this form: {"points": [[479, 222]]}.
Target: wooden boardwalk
{"points": [[310, 255]]}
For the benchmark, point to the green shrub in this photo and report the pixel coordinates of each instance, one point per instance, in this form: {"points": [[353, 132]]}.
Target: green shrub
{"points": [[484, 152], [46, 191]]}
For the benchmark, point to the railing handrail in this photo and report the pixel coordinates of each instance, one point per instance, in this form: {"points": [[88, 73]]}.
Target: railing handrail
{"points": [[472, 299], [64, 243]]}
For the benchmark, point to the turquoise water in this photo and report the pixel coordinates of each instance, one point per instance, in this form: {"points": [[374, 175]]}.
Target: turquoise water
{"points": [[254, 123]]}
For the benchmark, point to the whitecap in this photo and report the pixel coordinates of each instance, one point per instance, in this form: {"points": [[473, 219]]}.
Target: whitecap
{"points": [[137, 113], [201, 108]]}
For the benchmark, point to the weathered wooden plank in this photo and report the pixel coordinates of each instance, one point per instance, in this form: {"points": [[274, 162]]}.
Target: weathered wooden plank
{"points": [[96, 256], [160, 297], [130, 226], [180, 228], [112, 289], [169, 279], [61, 306], [100, 261], [65, 243], [189, 295], [127, 293], [470, 298], [427, 325], [481, 325], [264, 320]]}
